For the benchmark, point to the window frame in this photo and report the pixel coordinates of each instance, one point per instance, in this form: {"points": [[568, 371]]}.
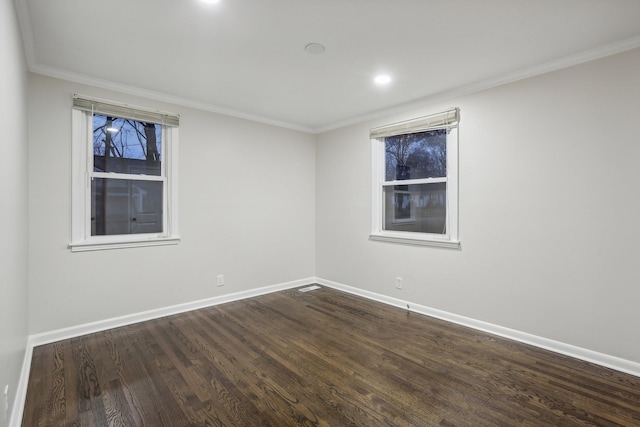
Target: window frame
{"points": [[82, 174], [446, 120]]}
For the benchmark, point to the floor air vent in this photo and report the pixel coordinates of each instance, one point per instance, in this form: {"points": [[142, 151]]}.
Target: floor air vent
{"points": [[309, 288]]}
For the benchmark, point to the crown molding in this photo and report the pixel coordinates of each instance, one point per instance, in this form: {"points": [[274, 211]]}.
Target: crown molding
{"points": [[525, 73], [554, 65], [22, 9], [159, 96]]}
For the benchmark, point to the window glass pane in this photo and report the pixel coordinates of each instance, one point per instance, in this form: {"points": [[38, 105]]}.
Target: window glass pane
{"points": [[120, 206], [419, 208], [126, 146], [416, 155]]}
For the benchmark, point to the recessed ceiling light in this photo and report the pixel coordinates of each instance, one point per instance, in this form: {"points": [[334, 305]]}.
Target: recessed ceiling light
{"points": [[382, 79], [211, 1], [314, 48], [112, 130]]}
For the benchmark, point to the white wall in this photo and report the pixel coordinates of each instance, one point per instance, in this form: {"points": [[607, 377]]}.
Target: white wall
{"points": [[247, 210], [549, 210], [13, 204]]}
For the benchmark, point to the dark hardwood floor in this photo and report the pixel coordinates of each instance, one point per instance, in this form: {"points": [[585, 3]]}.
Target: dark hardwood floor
{"points": [[322, 358]]}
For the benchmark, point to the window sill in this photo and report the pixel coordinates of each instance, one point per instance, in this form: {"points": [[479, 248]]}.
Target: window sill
{"points": [[414, 239], [122, 244]]}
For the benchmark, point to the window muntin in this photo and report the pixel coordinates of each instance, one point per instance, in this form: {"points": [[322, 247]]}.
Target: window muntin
{"points": [[415, 181], [125, 176]]}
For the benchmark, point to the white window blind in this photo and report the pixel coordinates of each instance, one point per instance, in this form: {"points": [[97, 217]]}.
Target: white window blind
{"points": [[444, 120], [126, 111]]}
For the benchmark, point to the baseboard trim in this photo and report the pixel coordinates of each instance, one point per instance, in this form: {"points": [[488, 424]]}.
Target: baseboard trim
{"points": [[602, 359], [116, 322], [130, 319], [15, 419], [619, 364]]}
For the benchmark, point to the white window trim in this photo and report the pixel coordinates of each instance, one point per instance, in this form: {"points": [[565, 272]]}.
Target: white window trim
{"points": [[449, 240], [81, 238]]}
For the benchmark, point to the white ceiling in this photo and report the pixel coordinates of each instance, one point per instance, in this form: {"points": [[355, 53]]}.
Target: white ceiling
{"points": [[246, 57]]}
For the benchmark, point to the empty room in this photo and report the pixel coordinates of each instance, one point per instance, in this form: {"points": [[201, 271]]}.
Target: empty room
{"points": [[320, 213]]}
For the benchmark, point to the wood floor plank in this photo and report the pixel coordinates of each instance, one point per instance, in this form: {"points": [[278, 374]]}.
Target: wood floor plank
{"points": [[321, 358], [309, 336]]}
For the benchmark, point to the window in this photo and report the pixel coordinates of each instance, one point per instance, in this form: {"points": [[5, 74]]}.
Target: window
{"points": [[415, 181], [124, 191]]}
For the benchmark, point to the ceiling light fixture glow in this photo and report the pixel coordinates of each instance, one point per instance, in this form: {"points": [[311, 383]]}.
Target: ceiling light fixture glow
{"points": [[112, 130], [210, 1], [382, 79]]}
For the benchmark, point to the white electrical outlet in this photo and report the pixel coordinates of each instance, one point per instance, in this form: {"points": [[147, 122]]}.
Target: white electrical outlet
{"points": [[220, 279], [398, 282]]}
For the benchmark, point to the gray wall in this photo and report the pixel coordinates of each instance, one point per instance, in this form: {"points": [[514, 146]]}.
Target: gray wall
{"points": [[549, 210], [247, 210], [13, 204]]}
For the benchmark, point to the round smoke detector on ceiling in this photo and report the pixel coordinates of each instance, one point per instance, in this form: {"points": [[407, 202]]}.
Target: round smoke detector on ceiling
{"points": [[314, 48]]}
